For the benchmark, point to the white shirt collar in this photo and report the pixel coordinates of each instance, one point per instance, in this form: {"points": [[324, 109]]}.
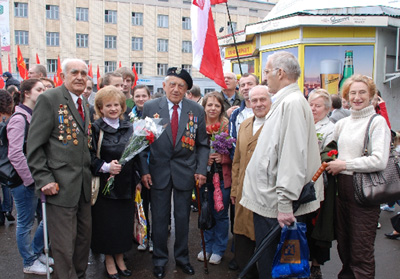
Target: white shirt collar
{"points": [[74, 98], [171, 104]]}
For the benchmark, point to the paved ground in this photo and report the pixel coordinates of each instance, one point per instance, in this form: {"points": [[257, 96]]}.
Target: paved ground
{"points": [[387, 258]]}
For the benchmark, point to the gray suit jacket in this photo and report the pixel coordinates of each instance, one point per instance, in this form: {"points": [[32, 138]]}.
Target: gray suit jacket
{"points": [[57, 147], [338, 114], [180, 162]]}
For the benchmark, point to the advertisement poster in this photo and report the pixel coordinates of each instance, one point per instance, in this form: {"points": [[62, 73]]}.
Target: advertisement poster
{"points": [[5, 25], [324, 65], [264, 55]]}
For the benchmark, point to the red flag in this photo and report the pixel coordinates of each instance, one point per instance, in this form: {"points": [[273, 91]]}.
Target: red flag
{"points": [[136, 75], [1, 74], [9, 64], [98, 77], [21, 64], [206, 54], [37, 59], [55, 80], [90, 72], [119, 64], [59, 70]]}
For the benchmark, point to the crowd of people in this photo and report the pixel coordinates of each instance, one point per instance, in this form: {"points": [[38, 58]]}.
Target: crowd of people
{"points": [[59, 138]]}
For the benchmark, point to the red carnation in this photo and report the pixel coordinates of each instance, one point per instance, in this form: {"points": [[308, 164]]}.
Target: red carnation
{"points": [[333, 153], [149, 136]]}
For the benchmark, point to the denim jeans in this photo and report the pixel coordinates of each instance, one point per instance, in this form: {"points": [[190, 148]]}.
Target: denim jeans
{"points": [[7, 205], [25, 203], [216, 239]]}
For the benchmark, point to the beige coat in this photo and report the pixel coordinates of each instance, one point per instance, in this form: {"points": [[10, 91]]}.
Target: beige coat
{"points": [[245, 145], [285, 158]]}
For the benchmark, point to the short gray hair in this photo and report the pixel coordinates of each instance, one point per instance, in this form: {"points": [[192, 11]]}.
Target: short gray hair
{"points": [[316, 93], [65, 63], [259, 87], [286, 61]]}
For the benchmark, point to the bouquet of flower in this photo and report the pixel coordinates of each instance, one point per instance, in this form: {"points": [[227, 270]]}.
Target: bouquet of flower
{"points": [[220, 141], [145, 132]]}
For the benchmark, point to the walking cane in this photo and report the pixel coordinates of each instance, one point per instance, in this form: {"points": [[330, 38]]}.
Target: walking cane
{"points": [[45, 236], [201, 231]]}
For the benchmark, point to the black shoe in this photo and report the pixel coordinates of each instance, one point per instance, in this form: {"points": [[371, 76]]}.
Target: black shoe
{"points": [[186, 268], [233, 265], [125, 272], [9, 216], [2, 219], [112, 276], [392, 235], [159, 272]]}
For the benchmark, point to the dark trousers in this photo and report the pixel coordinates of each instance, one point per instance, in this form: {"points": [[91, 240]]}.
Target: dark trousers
{"points": [[70, 230], [161, 212], [356, 232], [244, 249]]}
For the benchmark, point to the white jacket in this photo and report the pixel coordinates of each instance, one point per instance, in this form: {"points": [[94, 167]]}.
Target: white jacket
{"points": [[285, 159]]}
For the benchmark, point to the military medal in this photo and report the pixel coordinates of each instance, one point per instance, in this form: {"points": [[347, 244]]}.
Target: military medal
{"points": [[156, 115], [75, 141]]}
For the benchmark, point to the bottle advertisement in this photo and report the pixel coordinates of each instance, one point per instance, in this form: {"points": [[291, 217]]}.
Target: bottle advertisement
{"points": [[328, 67]]}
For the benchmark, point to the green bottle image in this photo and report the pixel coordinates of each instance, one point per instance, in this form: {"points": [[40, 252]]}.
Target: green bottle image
{"points": [[348, 68]]}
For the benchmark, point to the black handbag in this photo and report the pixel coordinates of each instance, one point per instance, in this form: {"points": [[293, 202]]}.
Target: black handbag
{"points": [[379, 187], [395, 220], [206, 219]]}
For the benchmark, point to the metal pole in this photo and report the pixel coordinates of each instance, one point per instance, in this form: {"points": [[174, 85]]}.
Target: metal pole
{"points": [[234, 39]]}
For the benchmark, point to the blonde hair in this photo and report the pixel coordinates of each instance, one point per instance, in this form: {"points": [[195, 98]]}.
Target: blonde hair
{"points": [[316, 93], [108, 93]]}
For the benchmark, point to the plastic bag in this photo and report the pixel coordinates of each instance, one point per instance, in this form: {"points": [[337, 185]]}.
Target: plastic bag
{"points": [[218, 199], [140, 224], [292, 254]]}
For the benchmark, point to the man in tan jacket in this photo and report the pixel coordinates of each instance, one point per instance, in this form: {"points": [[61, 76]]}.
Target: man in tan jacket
{"points": [[249, 131]]}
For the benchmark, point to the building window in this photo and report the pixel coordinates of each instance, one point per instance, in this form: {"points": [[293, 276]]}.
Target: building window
{"points": [[110, 66], [52, 38], [208, 90], [187, 2], [160, 90], [137, 19], [137, 43], [186, 23], [21, 37], [111, 16], [162, 21], [110, 42], [162, 69], [162, 45], [82, 14], [82, 40], [234, 27], [20, 9], [138, 67], [52, 12], [187, 46], [51, 65], [253, 10], [187, 67]]}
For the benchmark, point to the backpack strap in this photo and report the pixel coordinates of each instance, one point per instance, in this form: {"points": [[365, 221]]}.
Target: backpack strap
{"points": [[26, 128]]}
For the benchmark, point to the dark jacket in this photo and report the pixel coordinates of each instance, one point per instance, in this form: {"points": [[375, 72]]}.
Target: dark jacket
{"points": [[236, 102], [112, 147], [13, 81]]}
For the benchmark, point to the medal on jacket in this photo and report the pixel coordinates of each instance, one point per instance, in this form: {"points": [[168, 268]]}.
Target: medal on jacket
{"points": [[189, 136]]}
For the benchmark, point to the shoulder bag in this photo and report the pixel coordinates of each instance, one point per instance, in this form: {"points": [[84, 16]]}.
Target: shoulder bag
{"points": [[96, 179], [379, 187]]}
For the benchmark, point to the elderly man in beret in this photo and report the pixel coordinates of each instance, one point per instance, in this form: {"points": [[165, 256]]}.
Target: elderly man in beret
{"points": [[178, 158]]}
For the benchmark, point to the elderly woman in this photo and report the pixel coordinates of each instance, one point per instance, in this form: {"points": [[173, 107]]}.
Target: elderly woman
{"points": [[356, 224], [320, 103], [320, 240], [113, 213]]}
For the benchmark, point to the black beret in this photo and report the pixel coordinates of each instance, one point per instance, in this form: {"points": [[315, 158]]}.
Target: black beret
{"points": [[181, 73]]}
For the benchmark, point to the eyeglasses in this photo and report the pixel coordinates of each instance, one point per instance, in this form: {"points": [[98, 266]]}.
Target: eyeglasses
{"points": [[267, 71]]}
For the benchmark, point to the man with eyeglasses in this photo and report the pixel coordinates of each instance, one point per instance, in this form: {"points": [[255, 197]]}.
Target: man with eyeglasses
{"points": [[284, 159], [177, 159], [232, 99]]}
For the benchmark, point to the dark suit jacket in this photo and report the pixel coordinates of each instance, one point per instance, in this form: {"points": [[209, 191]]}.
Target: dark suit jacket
{"points": [[338, 114], [180, 162], [53, 160]]}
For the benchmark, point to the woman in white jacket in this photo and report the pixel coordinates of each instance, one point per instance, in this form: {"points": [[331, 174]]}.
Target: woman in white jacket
{"points": [[356, 224]]}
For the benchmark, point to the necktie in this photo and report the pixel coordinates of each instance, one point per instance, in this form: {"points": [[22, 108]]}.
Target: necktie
{"points": [[174, 124], [80, 110]]}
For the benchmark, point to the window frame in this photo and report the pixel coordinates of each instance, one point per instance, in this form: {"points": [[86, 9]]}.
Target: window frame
{"points": [[162, 45], [110, 42], [162, 21], [162, 69], [83, 39], [138, 67], [137, 41], [50, 64], [82, 14], [23, 37], [186, 23], [53, 37], [110, 16], [187, 47], [52, 12], [20, 9], [136, 19], [110, 66]]}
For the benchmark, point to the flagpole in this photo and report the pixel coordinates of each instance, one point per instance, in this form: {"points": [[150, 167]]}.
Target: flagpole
{"points": [[234, 39]]}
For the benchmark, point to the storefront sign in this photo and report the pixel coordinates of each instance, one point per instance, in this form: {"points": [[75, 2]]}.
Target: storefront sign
{"points": [[243, 50]]}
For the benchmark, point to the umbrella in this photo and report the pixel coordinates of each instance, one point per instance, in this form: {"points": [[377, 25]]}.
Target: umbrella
{"points": [[206, 220], [46, 244], [307, 195]]}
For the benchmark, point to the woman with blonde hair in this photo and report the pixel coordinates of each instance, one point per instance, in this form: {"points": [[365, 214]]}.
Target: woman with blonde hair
{"points": [[113, 213], [356, 223]]}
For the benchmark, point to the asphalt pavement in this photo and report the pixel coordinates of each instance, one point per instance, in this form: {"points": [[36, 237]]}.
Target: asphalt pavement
{"points": [[387, 254]]}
